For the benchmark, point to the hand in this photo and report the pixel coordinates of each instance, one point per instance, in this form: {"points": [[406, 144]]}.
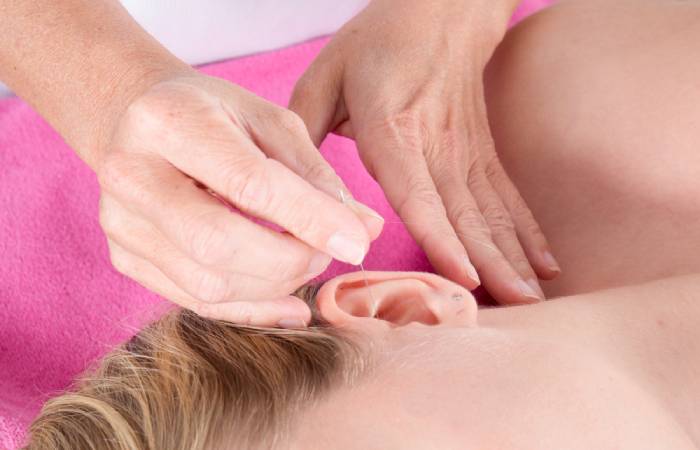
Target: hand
{"points": [[189, 137], [404, 79]]}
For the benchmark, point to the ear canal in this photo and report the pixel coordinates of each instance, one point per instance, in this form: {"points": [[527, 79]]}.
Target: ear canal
{"points": [[398, 306], [395, 298], [402, 311]]}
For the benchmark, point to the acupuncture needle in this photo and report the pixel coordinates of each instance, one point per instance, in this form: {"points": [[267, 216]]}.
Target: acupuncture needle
{"points": [[373, 301]]}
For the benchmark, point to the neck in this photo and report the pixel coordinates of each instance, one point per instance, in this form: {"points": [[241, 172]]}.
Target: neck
{"points": [[650, 331]]}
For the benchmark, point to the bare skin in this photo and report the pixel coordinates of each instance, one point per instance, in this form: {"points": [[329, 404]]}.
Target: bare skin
{"points": [[422, 131], [163, 139], [613, 369], [593, 107], [597, 121]]}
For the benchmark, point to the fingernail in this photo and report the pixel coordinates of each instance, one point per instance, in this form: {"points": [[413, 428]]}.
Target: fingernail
{"points": [[528, 291], [371, 219], [551, 262], [364, 209], [317, 265], [471, 270], [346, 248], [289, 323], [535, 285]]}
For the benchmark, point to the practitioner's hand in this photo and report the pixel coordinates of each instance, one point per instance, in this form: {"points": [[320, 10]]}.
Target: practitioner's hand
{"points": [[189, 136], [404, 79]]}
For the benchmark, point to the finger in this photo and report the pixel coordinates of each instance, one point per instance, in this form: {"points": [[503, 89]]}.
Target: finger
{"points": [[528, 230], [286, 312], [317, 96], [200, 226], [405, 179], [501, 227], [345, 129], [236, 169], [204, 283], [287, 140], [498, 276]]}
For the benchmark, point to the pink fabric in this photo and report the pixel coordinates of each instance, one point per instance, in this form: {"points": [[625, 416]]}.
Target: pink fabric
{"points": [[61, 303]]}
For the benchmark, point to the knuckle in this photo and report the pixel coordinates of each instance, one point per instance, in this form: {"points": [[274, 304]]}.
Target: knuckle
{"points": [[107, 220], [206, 235], [518, 207], [468, 218], [200, 308], [210, 287], [521, 214], [304, 87], [245, 313], [169, 111], [319, 171], [291, 122], [285, 271], [120, 262], [146, 113], [407, 129], [130, 179], [296, 212], [498, 220], [522, 265], [452, 144], [493, 169], [423, 194], [114, 173], [533, 230], [446, 174], [248, 185]]}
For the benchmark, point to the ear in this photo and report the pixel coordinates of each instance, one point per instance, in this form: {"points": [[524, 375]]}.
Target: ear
{"points": [[398, 298]]}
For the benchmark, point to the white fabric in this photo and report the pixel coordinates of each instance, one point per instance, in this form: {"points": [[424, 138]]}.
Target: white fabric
{"points": [[201, 31]]}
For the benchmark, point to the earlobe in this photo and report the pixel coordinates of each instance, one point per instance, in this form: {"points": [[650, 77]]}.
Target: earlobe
{"points": [[397, 298]]}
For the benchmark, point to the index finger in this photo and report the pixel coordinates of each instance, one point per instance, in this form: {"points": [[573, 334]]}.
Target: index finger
{"points": [[409, 187], [231, 165]]}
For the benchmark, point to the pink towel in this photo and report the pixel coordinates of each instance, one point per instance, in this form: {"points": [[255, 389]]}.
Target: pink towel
{"points": [[61, 303]]}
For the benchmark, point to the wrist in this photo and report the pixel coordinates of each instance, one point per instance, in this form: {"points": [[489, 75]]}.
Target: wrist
{"points": [[486, 20], [79, 64], [492, 17], [138, 75]]}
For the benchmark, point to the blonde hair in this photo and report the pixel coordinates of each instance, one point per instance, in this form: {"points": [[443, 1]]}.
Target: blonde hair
{"points": [[186, 382]]}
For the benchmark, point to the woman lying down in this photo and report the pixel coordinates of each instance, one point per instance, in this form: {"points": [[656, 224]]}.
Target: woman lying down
{"points": [[594, 107], [611, 370]]}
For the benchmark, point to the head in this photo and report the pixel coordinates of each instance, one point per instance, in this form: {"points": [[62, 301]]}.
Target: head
{"points": [[186, 382]]}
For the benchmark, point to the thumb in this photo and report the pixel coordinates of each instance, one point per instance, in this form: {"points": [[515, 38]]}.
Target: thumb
{"points": [[317, 98]]}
